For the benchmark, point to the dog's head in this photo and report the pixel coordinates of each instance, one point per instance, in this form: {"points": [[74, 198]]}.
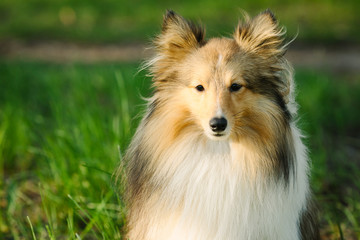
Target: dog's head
{"points": [[228, 88]]}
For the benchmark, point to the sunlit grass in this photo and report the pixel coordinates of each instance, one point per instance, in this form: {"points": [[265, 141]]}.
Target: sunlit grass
{"points": [[61, 127]]}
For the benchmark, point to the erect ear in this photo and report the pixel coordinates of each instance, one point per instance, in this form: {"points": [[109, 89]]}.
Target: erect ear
{"points": [[261, 35], [178, 38], [179, 34]]}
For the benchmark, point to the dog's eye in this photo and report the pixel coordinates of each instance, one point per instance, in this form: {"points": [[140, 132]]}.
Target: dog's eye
{"points": [[200, 88], [235, 87]]}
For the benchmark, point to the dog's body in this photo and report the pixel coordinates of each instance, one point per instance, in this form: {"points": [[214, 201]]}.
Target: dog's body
{"points": [[218, 155]]}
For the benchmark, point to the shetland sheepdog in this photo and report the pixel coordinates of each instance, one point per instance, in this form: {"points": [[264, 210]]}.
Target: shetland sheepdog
{"points": [[217, 155]]}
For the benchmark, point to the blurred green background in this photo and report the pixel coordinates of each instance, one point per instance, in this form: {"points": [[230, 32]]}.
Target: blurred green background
{"points": [[128, 21], [64, 123]]}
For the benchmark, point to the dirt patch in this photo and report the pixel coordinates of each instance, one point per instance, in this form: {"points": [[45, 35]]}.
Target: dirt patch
{"points": [[345, 59], [71, 52], [337, 59]]}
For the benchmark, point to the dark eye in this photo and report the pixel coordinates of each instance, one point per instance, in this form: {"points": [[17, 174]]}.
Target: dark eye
{"points": [[200, 88], [235, 87]]}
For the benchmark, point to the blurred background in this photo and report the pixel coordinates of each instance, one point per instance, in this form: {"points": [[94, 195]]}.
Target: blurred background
{"points": [[70, 98]]}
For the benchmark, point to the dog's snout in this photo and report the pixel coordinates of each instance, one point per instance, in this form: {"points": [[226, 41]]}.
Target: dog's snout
{"points": [[218, 124]]}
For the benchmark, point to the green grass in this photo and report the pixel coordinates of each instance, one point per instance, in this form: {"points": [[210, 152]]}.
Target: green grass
{"points": [[128, 21], [60, 128], [330, 117], [61, 125]]}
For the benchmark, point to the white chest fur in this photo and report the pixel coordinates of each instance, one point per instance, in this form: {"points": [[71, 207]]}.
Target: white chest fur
{"points": [[209, 192]]}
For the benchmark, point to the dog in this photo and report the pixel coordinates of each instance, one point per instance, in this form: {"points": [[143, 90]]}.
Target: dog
{"points": [[218, 155]]}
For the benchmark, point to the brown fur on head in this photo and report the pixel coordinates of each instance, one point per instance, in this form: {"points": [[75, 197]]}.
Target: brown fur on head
{"points": [[258, 114], [260, 37]]}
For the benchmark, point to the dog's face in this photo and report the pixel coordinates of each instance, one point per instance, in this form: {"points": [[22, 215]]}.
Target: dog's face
{"points": [[214, 88], [230, 88]]}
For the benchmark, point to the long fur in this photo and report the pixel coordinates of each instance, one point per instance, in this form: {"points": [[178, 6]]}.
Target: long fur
{"points": [[250, 183]]}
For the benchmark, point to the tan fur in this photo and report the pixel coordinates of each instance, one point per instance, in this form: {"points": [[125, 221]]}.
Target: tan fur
{"points": [[173, 151]]}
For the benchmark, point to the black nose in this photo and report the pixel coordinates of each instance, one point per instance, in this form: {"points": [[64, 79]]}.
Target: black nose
{"points": [[218, 124]]}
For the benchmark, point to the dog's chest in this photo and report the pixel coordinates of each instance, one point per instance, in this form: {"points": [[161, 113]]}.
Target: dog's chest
{"points": [[212, 193]]}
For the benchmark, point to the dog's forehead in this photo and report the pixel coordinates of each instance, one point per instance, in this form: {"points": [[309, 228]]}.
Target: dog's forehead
{"points": [[219, 61], [223, 59], [220, 50], [222, 56]]}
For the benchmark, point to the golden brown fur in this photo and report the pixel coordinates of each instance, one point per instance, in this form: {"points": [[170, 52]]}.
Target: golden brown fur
{"points": [[260, 144]]}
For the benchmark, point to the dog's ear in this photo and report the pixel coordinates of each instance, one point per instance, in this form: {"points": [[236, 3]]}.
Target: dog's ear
{"points": [[178, 38], [178, 34], [263, 38], [261, 35]]}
